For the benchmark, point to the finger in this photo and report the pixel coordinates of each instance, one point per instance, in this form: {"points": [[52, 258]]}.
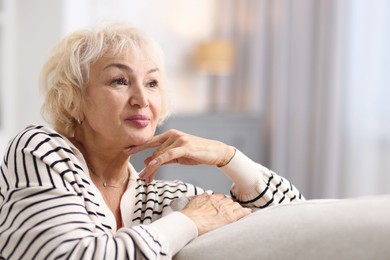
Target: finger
{"points": [[153, 142], [202, 197], [219, 195], [151, 177], [171, 155], [168, 144], [218, 202], [147, 175], [242, 212], [152, 166], [141, 174], [198, 200]]}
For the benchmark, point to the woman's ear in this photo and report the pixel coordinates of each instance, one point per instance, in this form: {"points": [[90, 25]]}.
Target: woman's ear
{"points": [[76, 112], [79, 117]]}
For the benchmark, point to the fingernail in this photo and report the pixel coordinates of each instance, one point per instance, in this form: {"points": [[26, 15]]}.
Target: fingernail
{"points": [[152, 162], [127, 150], [141, 171]]}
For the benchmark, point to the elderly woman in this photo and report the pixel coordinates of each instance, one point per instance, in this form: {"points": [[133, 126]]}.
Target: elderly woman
{"points": [[71, 192]]}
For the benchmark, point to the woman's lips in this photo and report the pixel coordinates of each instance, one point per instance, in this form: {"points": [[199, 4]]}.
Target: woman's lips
{"points": [[139, 120]]}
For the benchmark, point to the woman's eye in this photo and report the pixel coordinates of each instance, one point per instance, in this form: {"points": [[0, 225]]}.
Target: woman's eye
{"points": [[152, 84], [119, 81]]}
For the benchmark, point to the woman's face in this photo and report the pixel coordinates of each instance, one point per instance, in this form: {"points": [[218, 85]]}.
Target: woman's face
{"points": [[123, 100]]}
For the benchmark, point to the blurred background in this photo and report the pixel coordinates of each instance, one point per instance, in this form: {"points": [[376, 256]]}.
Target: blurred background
{"points": [[301, 86]]}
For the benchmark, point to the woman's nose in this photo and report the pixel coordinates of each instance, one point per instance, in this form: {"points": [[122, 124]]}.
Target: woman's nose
{"points": [[138, 96]]}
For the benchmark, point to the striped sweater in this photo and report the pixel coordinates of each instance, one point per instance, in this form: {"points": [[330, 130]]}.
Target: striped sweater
{"points": [[50, 208]]}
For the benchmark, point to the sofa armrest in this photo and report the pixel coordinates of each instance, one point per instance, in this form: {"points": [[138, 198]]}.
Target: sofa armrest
{"points": [[356, 228]]}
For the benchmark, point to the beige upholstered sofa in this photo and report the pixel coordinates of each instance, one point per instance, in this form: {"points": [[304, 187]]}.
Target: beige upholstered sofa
{"points": [[357, 228]]}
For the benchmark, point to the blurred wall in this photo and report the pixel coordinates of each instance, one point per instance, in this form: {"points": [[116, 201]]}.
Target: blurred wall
{"points": [[31, 28]]}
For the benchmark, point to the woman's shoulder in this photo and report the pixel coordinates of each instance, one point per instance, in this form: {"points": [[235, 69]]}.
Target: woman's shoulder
{"points": [[38, 132], [41, 149], [38, 139]]}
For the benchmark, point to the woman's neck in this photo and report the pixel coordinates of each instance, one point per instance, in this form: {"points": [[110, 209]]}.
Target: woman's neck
{"points": [[110, 166]]}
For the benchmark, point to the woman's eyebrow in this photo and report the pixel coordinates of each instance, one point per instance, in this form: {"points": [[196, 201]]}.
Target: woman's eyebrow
{"points": [[152, 70], [118, 65], [128, 68]]}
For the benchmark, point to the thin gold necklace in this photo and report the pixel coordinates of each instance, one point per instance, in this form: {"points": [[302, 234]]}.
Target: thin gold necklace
{"points": [[106, 185]]}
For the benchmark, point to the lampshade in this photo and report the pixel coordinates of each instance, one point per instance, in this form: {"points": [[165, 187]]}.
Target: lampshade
{"points": [[215, 57]]}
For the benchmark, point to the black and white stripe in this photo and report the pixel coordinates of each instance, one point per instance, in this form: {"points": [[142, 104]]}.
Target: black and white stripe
{"points": [[151, 199]]}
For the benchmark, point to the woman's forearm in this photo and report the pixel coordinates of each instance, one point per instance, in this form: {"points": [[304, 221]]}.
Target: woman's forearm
{"points": [[256, 186]]}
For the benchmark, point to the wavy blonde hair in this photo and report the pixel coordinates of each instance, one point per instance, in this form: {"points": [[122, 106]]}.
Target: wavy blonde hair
{"points": [[65, 75]]}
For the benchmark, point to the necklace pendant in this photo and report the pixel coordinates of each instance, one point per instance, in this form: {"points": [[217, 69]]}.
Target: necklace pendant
{"points": [[105, 184]]}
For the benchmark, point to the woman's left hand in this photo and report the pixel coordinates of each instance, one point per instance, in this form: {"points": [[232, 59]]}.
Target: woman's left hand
{"points": [[178, 147]]}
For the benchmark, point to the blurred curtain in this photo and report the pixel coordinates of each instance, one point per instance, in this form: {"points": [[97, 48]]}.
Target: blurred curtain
{"points": [[367, 108], [299, 65]]}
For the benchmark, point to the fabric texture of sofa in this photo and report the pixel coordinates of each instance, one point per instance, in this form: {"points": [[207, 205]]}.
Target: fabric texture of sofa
{"points": [[357, 228]]}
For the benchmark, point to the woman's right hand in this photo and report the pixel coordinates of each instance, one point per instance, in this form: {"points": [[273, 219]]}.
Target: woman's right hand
{"points": [[210, 212], [177, 147]]}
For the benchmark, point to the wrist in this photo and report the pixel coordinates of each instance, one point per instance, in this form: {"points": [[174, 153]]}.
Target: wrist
{"points": [[191, 215], [231, 151]]}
